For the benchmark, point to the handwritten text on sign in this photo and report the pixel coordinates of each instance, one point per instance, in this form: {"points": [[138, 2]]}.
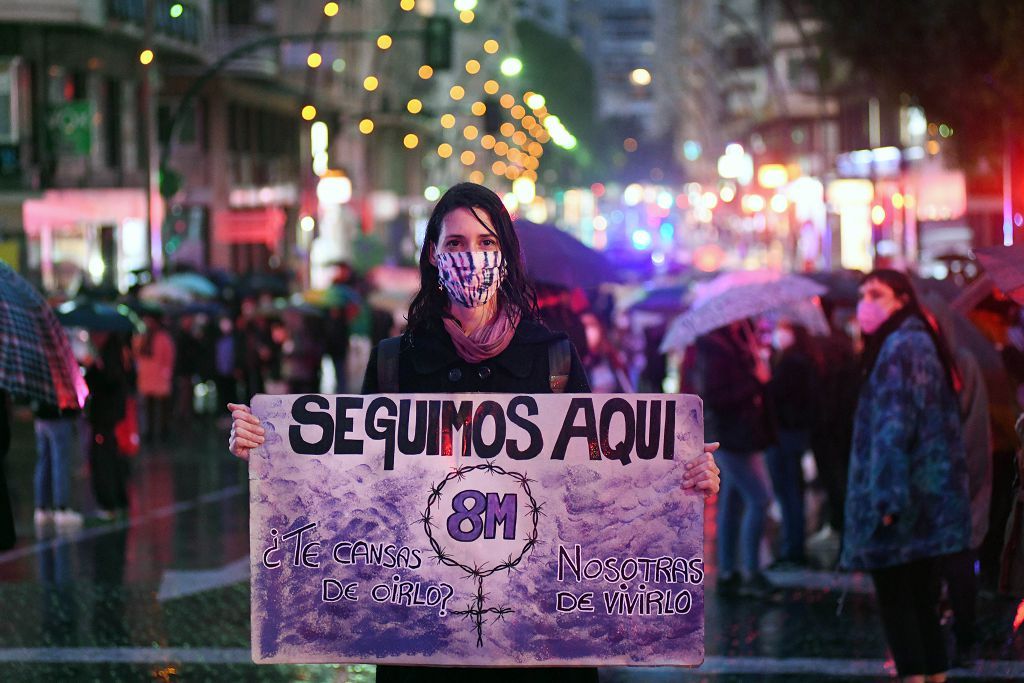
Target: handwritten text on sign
{"points": [[477, 529]]}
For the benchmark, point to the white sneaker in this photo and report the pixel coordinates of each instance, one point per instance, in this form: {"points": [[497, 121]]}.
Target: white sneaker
{"points": [[43, 517], [823, 535], [67, 519]]}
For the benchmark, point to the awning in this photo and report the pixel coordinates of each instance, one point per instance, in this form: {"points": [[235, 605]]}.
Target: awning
{"points": [[65, 209], [264, 225]]}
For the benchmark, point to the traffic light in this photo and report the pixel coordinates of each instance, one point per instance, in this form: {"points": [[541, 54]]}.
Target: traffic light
{"points": [[437, 43]]}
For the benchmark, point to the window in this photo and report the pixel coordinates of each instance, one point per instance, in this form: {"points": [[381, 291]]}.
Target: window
{"points": [[8, 102], [112, 123]]}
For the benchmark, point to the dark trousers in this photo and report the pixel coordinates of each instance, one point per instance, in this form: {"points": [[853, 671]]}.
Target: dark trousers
{"points": [[962, 588], [832, 457], [7, 535], [109, 470], [908, 599], [227, 389], [340, 360], [786, 470], [157, 412]]}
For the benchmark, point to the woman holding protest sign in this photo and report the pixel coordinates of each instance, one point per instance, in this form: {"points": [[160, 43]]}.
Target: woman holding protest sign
{"points": [[473, 327]]}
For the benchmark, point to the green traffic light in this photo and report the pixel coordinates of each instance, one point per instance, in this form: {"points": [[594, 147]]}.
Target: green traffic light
{"points": [[177, 9]]}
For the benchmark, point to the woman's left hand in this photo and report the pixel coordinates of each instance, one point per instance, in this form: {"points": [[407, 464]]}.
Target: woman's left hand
{"points": [[702, 473]]}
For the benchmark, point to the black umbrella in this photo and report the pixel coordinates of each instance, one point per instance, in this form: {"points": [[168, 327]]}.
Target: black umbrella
{"points": [[555, 257], [99, 317]]}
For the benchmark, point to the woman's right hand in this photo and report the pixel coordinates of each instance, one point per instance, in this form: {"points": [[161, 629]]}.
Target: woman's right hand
{"points": [[246, 431]]}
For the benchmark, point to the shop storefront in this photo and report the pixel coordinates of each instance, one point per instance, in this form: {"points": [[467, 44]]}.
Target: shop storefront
{"points": [[97, 236]]}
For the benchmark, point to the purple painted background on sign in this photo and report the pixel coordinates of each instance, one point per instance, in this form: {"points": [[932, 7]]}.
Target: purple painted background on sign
{"points": [[607, 509]]}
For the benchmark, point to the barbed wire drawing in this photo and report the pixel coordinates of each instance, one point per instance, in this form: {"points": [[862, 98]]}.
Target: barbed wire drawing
{"points": [[475, 611]]}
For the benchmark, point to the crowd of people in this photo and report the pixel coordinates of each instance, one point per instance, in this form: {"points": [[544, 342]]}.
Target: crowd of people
{"points": [[146, 387], [913, 447]]}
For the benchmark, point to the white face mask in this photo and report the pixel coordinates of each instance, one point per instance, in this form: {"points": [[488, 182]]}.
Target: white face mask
{"points": [[782, 339], [471, 278]]}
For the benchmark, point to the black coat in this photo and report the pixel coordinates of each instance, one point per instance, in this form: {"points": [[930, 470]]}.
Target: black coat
{"points": [[735, 411], [428, 363]]}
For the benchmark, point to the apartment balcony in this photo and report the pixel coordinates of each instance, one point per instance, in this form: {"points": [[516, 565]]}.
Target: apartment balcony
{"points": [[62, 12], [261, 62]]}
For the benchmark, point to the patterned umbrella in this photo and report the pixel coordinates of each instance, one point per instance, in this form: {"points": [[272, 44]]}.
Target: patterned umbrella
{"points": [[36, 361], [735, 296]]}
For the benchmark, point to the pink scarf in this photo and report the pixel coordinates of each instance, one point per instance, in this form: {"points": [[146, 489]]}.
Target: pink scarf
{"points": [[486, 341]]}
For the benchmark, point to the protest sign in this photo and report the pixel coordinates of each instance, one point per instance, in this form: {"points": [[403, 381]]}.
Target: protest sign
{"points": [[477, 529]]}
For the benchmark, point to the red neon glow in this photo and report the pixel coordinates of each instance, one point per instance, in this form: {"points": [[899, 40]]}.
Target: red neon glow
{"points": [[1019, 619]]}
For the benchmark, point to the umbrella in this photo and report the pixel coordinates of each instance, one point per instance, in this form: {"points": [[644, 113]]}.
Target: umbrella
{"points": [[843, 285], [669, 299], [555, 257], [960, 332], [166, 292], [36, 362], [99, 317], [735, 296], [1005, 267], [194, 283]]}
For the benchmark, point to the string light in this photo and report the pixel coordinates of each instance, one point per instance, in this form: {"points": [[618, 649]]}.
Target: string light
{"points": [[519, 137], [499, 167], [410, 140], [518, 112], [491, 46], [426, 71], [470, 132], [314, 60], [478, 108], [528, 122], [444, 150], [408, 5], [507, 129], [467, 17], [467, 158], [331, 9], [457, 92], [491, 87], [535, 101], [371, 83], [501, 148], [414, 106], [384, 42], [476, 177], [487, 142], [146, 57], [309, 112], [366, 126], [507, 101], [447, 121], [472, 67]]}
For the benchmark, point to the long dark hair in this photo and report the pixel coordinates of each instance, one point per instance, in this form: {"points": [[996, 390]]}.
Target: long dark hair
{"points": [[517, 295], [902, 287]]}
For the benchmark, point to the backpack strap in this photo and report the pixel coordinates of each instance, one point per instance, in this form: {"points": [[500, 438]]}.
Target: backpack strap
{"points": [[559, 365], [387, 365]]}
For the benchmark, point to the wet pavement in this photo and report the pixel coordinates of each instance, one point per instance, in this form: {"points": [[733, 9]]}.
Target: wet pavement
{"points": [[163, 593]]}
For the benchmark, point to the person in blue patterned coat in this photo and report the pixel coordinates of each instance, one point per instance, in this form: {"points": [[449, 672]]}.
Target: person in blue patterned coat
{"points": [[908, 505]]}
